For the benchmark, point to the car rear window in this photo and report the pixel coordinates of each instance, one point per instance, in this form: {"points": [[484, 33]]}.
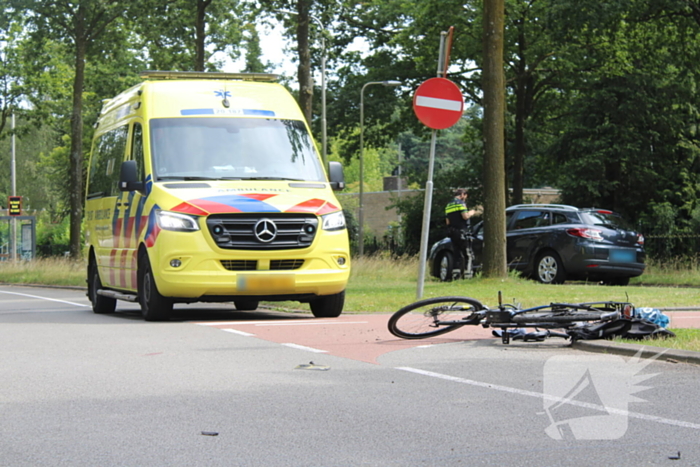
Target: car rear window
{"points": [[605, 219]]}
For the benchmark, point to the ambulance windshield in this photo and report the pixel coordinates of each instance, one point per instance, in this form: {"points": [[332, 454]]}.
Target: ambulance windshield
{"points": [[212, 148]]}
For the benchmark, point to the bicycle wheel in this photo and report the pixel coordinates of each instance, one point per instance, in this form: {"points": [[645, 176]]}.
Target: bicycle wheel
{"points": [[434, 316], [562, 316]]}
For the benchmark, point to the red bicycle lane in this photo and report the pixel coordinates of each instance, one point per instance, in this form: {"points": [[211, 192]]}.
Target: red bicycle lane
{"points": [[683, 319], [365, 337], [358, 337]]}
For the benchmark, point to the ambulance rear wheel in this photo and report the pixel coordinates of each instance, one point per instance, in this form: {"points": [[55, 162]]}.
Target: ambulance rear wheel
{"points": [[329, 306], [154, 307], [100, 303]]}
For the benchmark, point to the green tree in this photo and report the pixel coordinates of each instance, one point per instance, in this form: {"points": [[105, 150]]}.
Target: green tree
{"points": [[12, 87], [253, 62], [303, 20], [30, 145], [629, 140], [187, 35], [82, 26]]}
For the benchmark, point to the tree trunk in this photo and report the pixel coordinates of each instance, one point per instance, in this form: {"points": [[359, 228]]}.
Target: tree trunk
{"points": [[306, 85], [494, 124], [76, 143], [200, 34]]}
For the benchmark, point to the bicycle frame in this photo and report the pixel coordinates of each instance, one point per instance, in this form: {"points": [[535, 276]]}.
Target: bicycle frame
{"points": [[565, 316]]}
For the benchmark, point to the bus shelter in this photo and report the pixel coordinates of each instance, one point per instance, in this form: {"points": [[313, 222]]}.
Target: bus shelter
{"points": [[24, 239]]}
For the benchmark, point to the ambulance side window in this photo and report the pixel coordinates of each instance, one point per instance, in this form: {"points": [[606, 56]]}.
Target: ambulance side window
{"points": [[107, 157], [137, 149]]}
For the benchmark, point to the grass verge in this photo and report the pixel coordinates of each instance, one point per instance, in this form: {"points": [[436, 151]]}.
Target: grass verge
{"points": [[45, 271], [673, 272], [686, 339], [383, 285]]}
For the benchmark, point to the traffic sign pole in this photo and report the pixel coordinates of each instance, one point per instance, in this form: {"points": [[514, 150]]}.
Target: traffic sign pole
{"points": [[428, 202], [13, 222], [438, 104]]}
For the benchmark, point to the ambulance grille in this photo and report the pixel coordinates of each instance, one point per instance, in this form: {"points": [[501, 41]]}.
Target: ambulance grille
{"points": [[239, 264], [285, 264], [252, 265], [267, 231]]}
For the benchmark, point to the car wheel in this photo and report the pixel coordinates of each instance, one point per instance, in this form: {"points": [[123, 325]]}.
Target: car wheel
{"points": [[329, 306], [246, 305], [549, 268], [154, 307], [100, 303], [444, 265]]}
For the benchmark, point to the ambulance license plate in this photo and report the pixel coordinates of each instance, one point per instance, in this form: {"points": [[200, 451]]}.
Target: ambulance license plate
{"points": [[274, 283]]}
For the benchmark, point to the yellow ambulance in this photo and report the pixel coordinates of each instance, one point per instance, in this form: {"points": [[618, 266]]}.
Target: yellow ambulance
{"points": [[207, 187]]}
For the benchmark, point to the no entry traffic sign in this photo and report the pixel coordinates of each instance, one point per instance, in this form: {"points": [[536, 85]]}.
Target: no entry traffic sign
{"points": [[438, 103]]}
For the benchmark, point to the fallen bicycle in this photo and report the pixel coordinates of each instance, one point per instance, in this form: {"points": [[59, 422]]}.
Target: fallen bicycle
{"points": [[574, 321]]}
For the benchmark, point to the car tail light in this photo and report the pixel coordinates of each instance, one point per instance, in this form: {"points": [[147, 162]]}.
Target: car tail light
{"points": [[591, 234], [640, 239]]}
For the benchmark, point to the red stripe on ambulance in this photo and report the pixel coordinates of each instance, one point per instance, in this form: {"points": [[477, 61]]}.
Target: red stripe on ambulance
{"points": [[187, 208]]}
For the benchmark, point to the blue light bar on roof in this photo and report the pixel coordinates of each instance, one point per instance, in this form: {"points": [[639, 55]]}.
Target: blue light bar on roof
{"points": [[248, 112]]}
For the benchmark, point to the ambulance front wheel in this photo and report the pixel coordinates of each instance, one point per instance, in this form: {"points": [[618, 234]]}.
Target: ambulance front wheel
{"points": [[329, 306], [100, 303], [154, 307]]}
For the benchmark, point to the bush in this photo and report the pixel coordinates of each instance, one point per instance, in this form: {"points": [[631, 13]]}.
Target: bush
{"points": [[52, 239]]}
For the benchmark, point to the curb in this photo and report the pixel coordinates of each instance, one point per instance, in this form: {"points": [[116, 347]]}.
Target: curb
{"points": [[643, 351]]}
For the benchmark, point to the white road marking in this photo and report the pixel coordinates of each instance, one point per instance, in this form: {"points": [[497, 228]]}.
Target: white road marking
{"points": [[437, 103], [303, 322], [227, 323], [45, 298], [539, 395], [303, 347], [240, 333]]}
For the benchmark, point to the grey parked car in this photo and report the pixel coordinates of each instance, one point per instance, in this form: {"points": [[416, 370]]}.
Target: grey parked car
{"points": [[553, 243]]}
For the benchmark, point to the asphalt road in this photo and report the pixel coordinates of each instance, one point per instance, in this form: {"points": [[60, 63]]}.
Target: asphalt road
{"points": [[215, 387]]}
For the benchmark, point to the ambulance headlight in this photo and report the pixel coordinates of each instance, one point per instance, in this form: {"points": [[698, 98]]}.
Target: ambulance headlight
{"points": [[168, 220], [334, 221]]}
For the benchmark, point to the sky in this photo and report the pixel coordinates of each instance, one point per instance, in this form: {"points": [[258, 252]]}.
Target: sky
{"points": [[273, 46]]}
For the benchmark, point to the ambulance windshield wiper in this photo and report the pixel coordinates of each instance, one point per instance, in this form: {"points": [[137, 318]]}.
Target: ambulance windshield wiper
{"points": [[186, 178], [274, 178]]}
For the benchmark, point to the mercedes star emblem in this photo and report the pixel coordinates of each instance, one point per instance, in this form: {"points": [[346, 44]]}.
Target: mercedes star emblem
{"points": [[265, 230]]}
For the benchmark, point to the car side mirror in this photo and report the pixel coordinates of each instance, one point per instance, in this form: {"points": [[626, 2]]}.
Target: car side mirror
{"points": [[129, 178], [335, 170]]}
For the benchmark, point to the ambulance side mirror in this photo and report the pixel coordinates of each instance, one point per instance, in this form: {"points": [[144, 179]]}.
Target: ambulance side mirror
{"points": [[335, 171], [129, 178]]}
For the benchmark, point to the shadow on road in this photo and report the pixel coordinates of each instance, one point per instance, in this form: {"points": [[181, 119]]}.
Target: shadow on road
{"points": [[131, 313]]}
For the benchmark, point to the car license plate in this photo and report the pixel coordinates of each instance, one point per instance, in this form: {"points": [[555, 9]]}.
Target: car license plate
{"points": [[622, 256], [266, 283]]}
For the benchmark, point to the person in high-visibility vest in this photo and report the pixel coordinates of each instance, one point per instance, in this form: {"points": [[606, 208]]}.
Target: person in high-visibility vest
{"points": [[457, 218]]}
